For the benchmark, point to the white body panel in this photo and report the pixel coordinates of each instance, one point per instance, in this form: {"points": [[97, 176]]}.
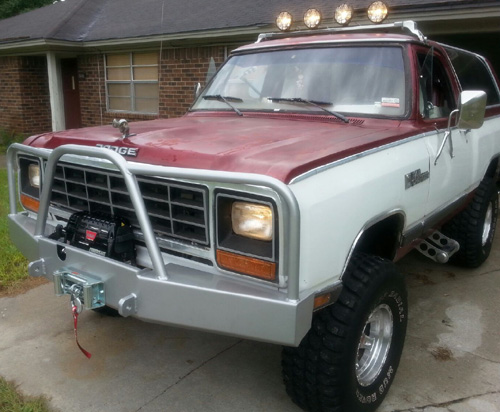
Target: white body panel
{"points": [[451, 178], [341, 201]]}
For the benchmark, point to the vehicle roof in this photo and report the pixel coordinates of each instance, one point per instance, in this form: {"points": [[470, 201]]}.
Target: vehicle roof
{"points": [[318, 39]]}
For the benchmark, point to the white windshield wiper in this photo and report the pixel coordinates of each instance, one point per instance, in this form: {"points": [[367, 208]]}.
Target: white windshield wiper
{"points": [[314, 103], [225, 99]]}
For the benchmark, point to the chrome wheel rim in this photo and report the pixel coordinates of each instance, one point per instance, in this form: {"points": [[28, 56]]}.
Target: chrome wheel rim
{"points": [[374, 345], [487, 224]]}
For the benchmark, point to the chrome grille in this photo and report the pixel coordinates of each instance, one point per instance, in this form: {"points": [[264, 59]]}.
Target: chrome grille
{"points": [[176, 210]]}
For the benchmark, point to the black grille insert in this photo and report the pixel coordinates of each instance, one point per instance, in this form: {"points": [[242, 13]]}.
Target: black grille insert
{"points": [[176, 210]]}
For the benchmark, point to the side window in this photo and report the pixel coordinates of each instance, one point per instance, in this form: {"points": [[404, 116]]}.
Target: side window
{"points": [[436, 95], [473, 74]]}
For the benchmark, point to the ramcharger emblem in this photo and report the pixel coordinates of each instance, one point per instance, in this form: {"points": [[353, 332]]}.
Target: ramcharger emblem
{"points": [[415, 177], [124, 151]]}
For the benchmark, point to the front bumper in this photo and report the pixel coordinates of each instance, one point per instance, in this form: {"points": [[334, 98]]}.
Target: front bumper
{"points": [[188, 298], [169, 292]]}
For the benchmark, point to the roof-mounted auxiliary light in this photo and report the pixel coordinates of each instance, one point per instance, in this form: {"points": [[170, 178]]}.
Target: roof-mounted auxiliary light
{"points": [[284, 21], [377, 12], [343, 14], [312, 18]]}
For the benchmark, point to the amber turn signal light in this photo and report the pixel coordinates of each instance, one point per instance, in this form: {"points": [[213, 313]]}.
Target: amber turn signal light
{"points": [[30, 203], [322, 300], [247, 265]]}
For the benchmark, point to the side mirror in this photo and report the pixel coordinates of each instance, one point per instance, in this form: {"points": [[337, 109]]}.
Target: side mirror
{"points": [[471, 109]]}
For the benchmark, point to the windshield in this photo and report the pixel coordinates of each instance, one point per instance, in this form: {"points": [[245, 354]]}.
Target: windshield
{"points": [[348, 80]]}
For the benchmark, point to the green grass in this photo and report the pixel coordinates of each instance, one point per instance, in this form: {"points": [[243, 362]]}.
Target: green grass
{"points": [[13, 278], [7, 138], [13, 265], [12, 401]]}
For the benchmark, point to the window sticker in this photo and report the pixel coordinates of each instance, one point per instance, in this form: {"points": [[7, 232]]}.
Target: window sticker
{"points": [[390, 102]]}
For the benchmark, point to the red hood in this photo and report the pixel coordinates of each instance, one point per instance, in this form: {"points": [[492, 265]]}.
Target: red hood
{"points": [[281, 146]]}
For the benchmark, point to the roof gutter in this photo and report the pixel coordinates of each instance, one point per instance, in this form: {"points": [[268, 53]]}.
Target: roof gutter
{"points": [[37, 46], [206, 36]]}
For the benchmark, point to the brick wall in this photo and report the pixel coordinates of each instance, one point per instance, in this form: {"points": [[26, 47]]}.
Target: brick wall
{"points": [[93, 94], [92, 91], [25, 100], [180, 70], [35, 95], [24, 95], [11, 117]]}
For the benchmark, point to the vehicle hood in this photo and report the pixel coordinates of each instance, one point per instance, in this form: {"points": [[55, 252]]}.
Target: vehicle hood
{"points": [[280, 146]]}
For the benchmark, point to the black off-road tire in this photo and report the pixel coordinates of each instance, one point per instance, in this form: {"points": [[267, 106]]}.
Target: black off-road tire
{"points": [[322, 373], [474, 227]]}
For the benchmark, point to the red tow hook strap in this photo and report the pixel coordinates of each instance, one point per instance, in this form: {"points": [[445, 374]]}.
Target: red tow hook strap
{"points": [[74, 309]]}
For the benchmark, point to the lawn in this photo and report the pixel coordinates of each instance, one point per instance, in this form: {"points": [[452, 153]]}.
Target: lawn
{"points": [[13, 266], [14, 277], [7, 138], [13, 280], [12, 401]]}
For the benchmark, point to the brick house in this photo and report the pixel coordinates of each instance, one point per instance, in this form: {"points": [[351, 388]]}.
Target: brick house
{"points": [[81, 63]]}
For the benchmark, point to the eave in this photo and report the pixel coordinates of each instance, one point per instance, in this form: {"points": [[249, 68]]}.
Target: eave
{"points": [[205, 37]]}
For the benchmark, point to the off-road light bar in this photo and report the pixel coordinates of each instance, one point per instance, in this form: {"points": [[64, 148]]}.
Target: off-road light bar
{"points": [[377, 13], [408, 25]]}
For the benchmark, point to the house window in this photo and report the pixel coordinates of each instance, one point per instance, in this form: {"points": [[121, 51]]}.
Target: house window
{"points": [[132, 82]]}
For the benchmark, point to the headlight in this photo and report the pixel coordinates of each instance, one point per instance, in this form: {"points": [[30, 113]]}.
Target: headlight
{"points": [[29, 182], [247, 231], [252, 220], [34, 175]]}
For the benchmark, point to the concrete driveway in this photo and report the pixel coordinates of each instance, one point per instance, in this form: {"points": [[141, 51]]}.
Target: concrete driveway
{"points": [[451, 360]]}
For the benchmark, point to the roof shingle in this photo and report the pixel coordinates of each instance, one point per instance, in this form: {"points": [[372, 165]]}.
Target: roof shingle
{"points": [[93, 20]]}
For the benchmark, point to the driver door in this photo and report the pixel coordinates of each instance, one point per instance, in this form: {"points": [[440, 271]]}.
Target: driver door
{"points": [[451, 173]]}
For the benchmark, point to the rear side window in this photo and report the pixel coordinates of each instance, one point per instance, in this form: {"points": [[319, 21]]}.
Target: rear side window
{"points": [[473, 74]]}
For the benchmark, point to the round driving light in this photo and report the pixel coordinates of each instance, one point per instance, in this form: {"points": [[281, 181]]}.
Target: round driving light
{"points": [[312, 18], [284, 21], [343, 14], [377, 12]]}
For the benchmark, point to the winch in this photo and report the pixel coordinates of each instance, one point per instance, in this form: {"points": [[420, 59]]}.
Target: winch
{"points": [[105, 235]]}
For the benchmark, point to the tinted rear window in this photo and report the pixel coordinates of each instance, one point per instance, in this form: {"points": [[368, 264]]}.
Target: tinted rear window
{"points": [[473, 74]]}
